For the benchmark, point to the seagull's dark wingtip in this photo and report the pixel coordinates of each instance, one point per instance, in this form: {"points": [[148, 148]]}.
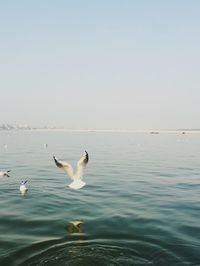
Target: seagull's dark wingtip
{"points": [[87, 156], [57, 162], [54, 157]]}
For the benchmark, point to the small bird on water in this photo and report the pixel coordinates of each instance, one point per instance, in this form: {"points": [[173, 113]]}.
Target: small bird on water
{"points": [[77, 176], [23, 188], [5, 173]]}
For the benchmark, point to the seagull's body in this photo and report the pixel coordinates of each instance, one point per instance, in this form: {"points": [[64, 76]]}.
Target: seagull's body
{"points": [[77, 176], [23, 188], [5, 173]]}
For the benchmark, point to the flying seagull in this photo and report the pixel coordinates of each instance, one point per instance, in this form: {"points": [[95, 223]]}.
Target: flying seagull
{"points": [[5, 173], [77, 176]]}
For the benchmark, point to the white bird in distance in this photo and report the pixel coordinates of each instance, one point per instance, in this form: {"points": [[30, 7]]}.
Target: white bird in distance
{"points": [[5, 173], [77, 176]]}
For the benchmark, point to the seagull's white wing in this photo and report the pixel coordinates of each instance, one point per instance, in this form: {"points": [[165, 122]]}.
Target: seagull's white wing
{"points": [[81, 165], [65, 166]]}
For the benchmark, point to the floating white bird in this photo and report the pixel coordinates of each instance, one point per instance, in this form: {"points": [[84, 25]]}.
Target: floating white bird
{"points": [[45, 145], [77, 176], [5, 173], [23, 188]]}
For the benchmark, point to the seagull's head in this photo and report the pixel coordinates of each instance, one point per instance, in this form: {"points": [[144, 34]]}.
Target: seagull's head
{"points": [[24, 182]]}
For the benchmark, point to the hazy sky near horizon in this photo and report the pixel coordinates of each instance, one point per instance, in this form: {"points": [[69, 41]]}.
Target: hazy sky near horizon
{"points": [[100, 64]]}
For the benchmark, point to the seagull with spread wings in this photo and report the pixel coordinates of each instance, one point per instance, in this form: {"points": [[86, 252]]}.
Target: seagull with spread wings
{"points": [[77, 176]]}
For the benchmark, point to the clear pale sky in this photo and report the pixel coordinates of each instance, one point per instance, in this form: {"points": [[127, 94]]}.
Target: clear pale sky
{"points": [[100, 63]]}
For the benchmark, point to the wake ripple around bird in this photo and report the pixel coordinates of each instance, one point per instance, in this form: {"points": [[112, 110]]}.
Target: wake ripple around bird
{"points": [[98, 252], [74, 253]]}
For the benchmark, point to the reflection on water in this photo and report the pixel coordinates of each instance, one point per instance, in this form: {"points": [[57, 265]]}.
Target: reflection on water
{"points": [[74, 227]]}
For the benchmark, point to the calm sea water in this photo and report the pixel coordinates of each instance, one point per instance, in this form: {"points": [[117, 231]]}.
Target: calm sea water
{"points": [[141, 204]]}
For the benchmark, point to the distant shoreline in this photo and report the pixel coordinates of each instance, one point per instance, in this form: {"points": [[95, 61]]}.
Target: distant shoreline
{"points": [[148, 131]]}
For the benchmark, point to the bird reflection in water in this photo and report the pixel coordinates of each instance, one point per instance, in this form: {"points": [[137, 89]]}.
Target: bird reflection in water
{"points": [[74, 227], [76, 239]]}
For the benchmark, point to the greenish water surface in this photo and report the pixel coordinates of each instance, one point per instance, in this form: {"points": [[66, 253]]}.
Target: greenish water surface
{"points": [[140, 206]]}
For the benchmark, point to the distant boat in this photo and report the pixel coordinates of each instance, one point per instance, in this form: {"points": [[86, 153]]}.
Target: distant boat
{"points": [[154, 132]]}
